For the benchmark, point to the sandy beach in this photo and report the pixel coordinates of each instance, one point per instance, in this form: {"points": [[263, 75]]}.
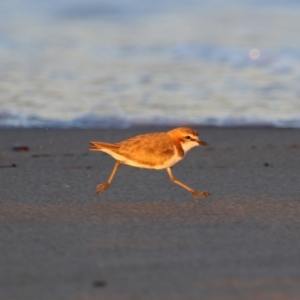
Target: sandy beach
{"points": [[145, 237]]}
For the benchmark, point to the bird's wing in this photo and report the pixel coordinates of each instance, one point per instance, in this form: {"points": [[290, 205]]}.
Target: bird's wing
{"points": [[147, 148]]}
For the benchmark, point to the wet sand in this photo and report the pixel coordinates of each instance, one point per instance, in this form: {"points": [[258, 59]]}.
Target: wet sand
{"points": [[145, 237]]}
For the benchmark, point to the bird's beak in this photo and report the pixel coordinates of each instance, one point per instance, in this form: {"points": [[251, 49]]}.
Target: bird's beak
{"points": [[203, 143]]}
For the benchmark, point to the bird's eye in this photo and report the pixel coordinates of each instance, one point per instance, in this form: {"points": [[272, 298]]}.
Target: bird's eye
{"points": [[187, 137]]}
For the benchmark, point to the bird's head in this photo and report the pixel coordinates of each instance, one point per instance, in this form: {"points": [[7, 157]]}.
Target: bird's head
{"points": [[188, 138]]}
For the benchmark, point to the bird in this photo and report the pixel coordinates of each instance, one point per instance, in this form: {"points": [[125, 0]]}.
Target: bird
{"points": [[160, 150]]}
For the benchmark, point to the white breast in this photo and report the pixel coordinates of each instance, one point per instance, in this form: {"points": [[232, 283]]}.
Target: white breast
{"points": [[171, 162]]}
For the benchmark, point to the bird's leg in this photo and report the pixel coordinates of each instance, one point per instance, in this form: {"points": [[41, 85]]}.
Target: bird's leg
{"points": [[103, 186], [194, 192]]}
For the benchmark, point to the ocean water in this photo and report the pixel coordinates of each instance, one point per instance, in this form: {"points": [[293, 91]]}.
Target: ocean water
{"points": [[122, 63]]}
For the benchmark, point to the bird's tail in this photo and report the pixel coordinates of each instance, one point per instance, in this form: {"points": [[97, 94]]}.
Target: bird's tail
{"points": [[98, 146]]}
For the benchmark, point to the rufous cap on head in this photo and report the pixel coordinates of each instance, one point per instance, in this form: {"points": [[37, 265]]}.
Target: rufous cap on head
{"points": [[185, 130]]}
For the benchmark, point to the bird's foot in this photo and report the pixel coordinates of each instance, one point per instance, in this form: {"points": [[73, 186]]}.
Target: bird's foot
{"points": [[197, 194], [102, 187]]}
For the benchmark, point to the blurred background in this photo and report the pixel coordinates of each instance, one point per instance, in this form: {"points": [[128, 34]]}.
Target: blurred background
{"points": [[120, 63]]}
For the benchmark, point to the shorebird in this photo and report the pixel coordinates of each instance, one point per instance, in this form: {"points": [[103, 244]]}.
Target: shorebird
{"points": [[157, 151]]}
